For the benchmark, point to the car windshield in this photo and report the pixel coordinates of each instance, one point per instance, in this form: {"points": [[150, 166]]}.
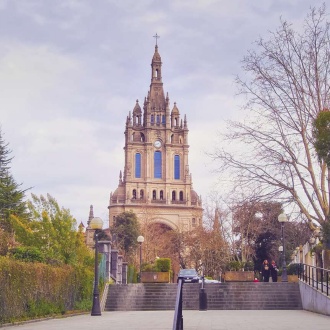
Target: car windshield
{"points": [[188, 272]]}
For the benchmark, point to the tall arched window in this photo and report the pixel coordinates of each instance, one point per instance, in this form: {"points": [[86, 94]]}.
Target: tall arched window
{"points": [[163, 120], [154, 194], [157, 165], [158, 119], [161, 195], [138, 165], [134, 193], [173, 195], [141, 194], [177, 167], [152, 119], [181, 196]]}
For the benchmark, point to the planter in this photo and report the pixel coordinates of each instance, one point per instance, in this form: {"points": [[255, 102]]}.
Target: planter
{"points": [[155, 277], [233, 276], [291, 278]]}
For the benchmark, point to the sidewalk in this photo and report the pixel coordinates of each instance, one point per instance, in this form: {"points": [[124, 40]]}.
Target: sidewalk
{"points": [[192, 320]]}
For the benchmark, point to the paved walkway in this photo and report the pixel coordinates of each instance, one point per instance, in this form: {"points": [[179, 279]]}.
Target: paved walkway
{"points": [[192, 320]]}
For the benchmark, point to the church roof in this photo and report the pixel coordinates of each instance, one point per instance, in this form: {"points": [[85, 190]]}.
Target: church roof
{"points": [[119, 194], [175, 109], [137, 108]]}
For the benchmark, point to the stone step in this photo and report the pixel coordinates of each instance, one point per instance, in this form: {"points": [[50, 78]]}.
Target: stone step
{"points": [[232, 295]]}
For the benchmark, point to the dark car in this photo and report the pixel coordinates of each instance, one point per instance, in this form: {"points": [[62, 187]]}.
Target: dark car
{"points": [[188, 275]]}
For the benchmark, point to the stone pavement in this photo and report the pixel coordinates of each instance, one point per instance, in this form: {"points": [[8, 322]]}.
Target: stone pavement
{"points": [[192, 320]]}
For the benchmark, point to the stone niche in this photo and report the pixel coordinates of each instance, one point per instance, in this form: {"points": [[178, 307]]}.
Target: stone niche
{"points": [[233, 276]]}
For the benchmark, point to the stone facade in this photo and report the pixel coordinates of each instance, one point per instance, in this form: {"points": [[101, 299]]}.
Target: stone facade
{"points": [[156, 183]]}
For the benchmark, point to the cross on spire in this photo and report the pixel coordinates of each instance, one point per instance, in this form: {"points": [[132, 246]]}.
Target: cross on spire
{"points": [[156, 36]]}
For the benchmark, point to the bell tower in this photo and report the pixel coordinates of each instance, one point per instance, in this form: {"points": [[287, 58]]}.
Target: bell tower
{"points": [[156, 177]]}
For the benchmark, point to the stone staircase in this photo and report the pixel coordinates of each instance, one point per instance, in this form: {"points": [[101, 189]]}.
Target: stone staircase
{"points": [[257, 296], [220, 296]]}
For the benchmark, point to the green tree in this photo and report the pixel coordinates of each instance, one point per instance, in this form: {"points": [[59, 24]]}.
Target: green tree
{"points": [[322, 147], [11, 196], [322, 136], [126, 229], [52, 230]]}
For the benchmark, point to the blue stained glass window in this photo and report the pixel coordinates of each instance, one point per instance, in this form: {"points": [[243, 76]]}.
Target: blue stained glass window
{"points": [[152, 119], [158, 165], [177, 167], [163, 120], [138, 165]]}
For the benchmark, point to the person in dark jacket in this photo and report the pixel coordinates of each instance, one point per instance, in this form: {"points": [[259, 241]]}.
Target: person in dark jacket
{"points": [[273, 271], [265, 271]]}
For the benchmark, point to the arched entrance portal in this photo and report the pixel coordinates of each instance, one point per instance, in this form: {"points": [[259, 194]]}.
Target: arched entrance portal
{"points": [[161, 241]]}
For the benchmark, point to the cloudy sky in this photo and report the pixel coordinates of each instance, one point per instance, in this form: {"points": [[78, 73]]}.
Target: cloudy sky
{"points": [[71, 70]]}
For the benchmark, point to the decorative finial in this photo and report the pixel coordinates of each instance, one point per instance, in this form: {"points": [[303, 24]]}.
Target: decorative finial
{"points": [[156, 36]]}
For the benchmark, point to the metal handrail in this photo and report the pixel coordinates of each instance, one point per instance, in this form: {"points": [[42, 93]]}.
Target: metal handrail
{"points": [[178, 318], [316, 277]]}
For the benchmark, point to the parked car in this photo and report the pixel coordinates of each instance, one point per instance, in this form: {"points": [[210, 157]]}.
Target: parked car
{"points": [[207, 280], [188, 275]]}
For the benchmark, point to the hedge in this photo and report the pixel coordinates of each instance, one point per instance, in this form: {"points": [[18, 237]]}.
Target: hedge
{"points": [[30, 290]]}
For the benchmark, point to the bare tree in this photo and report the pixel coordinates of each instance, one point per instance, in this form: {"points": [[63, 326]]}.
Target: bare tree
{"points": [[207, 247], [286, 84]]}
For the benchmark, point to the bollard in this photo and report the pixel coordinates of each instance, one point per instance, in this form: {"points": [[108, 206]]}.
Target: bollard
{"points": [[202, 300]]}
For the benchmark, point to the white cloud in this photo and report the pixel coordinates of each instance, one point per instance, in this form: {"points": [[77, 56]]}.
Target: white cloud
{"points": [[32, 78]]}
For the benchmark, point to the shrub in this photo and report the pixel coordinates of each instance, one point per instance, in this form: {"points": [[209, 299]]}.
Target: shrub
{"points": [[237, 266], [27, 254], [148, 268], [131, 274], [29, 290], [163, 265], [293, 269]]}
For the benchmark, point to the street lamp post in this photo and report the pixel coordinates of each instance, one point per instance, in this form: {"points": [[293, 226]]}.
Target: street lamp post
{"points": [[140, 240], [282, 218], [96, 224], [280, 250]]}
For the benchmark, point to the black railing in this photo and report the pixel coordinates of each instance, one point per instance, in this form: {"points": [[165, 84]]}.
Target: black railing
{"points": [[178, 318], [316, 277]]}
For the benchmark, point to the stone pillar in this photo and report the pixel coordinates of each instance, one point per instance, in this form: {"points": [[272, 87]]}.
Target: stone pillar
{"points": [[120, 270], [114, 264], [105, 248], [124, 272]]}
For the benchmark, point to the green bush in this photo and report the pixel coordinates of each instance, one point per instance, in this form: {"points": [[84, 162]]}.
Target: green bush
{"points": [[163, 265], [293, 269], [31, 289], [148, 268], [160, 265], [28, 254], [131, 274], [237, 266]]}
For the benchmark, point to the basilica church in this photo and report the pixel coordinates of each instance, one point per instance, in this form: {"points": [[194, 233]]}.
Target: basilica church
{"points": [[156, 183]]}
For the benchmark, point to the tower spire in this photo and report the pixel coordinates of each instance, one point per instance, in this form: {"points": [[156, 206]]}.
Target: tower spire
{"points": [[156, 95], [91, 215]]}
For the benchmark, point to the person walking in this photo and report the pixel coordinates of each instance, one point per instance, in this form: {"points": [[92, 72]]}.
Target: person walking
{"points": [[265, 271], [273, 271]]}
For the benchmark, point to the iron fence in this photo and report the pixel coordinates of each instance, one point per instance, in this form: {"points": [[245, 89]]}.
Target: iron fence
{"points": [[316, 277]]}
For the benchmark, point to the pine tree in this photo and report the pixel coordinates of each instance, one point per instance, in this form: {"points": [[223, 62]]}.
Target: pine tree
{"points": [[11, 196]]}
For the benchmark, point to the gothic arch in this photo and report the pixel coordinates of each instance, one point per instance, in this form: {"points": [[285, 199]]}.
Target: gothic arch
{"points": [[164, 221]]}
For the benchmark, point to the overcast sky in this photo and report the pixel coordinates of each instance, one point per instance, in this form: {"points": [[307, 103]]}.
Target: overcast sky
{"points": [[71, 70]]}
